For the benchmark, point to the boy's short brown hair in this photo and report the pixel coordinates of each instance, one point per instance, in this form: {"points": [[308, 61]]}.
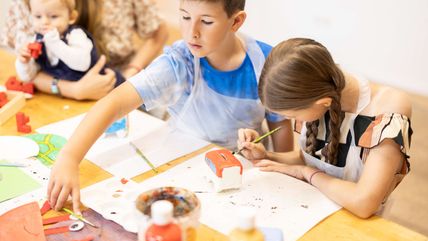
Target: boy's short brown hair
{"points": [[230, 6]]}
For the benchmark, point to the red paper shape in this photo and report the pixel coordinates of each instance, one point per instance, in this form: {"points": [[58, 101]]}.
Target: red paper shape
{"points": [[22, 224], [21, 123]]}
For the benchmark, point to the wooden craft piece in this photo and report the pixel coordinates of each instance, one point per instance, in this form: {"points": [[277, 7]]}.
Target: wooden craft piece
{"points": [[16, 101]]}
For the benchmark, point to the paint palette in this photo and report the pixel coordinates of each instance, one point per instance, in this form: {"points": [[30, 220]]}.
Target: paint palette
{"points": [[114, 199]]}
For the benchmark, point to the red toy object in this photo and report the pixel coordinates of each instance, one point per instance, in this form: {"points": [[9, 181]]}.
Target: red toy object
{"points": [[3, 99], [35, 49], [13, 84], [21, 123], [218, 160], [226, 170]]}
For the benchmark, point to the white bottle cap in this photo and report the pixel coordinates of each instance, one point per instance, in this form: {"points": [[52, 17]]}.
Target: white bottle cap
{"points": [[162, 212], [246, 218]]}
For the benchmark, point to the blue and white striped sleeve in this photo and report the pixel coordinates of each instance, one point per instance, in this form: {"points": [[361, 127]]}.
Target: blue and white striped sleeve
{"points": [[165, 79]]}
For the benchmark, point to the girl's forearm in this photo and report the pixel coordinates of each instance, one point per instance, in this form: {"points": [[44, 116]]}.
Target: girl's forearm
{"points": [[290, 158], [345, 193]]}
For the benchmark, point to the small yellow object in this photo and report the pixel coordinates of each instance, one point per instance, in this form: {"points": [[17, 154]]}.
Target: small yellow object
{"points": [[80, 217]]}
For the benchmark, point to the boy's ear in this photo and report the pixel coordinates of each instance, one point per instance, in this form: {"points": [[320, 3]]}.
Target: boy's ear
{"points": [[326, 102], [238, 20], [73, 17]]}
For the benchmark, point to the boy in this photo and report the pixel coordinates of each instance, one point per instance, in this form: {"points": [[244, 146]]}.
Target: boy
{"points": [[208, 81]]}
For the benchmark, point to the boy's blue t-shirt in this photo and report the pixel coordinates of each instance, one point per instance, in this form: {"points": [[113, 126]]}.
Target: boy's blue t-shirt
{"points": [[167, 81]]}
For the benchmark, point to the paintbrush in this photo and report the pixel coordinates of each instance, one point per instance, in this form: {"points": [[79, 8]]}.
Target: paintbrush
{"points": [[12, 165], [259, 139], [80, 217], [140, 153], [8, 163]]}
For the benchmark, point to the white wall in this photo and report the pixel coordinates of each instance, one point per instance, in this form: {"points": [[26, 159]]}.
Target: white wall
{"points": [[385, 40], [4, 5]]}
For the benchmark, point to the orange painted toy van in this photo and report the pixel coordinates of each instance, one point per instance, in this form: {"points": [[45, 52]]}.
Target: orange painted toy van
{"points": [[226, 170]]}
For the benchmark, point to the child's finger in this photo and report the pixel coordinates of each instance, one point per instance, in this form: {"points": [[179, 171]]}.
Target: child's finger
{"points": [[54, 195], [76, 200], [63, 196], [241, 135]]}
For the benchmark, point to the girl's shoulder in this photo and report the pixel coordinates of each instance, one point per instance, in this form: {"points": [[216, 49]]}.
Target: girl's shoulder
{"points": [[389, 100]]}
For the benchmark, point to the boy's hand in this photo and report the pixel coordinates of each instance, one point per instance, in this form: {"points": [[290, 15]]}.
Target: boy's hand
{"points": [[250, 150], [24, 54], [64, 181]]}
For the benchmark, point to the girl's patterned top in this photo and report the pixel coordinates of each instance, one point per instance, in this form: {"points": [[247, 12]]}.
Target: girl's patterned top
{"points": [[120, 20], [369, 132]]}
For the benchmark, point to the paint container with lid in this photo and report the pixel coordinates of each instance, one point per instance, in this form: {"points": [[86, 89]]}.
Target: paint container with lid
{"points": [[186, 209]]}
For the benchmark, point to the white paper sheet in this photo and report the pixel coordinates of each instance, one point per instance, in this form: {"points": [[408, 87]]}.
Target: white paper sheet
{"points": [[281, 201], [152, 136], [39, 172], [139, 124]]}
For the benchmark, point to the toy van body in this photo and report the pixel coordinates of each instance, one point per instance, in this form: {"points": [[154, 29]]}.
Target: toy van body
{"points": [[226, 170]]}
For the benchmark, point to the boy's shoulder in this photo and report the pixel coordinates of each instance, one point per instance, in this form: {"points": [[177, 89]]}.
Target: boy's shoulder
{"points": [[179, 47], [266, 48]]}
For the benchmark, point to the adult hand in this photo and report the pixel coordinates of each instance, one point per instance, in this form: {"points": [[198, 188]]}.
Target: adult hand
{"points": [[250, 150], [94, 85], [295, 171], [64, 181]]}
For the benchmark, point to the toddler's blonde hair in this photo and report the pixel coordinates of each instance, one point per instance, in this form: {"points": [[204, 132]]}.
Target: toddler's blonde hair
{"points": [[71, 4]]}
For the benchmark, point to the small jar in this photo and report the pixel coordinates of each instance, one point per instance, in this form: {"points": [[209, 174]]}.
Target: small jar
{"points": [[186, 212]]}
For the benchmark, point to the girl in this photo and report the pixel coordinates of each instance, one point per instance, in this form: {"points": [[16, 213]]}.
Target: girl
{"points": [[354, 139]]}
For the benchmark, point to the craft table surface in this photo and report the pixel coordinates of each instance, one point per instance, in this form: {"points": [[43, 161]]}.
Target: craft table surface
{"points": [[44, 109]]}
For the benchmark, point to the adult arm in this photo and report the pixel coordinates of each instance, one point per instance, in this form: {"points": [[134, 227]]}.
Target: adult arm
{"points": [[92, 85], [150, 48]]}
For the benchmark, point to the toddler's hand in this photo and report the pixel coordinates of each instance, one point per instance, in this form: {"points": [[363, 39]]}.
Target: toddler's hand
{"points": [[250, 150], [51, 35], [24, 54]]}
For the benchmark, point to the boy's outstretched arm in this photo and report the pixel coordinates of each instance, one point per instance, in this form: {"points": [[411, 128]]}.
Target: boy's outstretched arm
{"points": [[283, 140], [64, 180]]}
